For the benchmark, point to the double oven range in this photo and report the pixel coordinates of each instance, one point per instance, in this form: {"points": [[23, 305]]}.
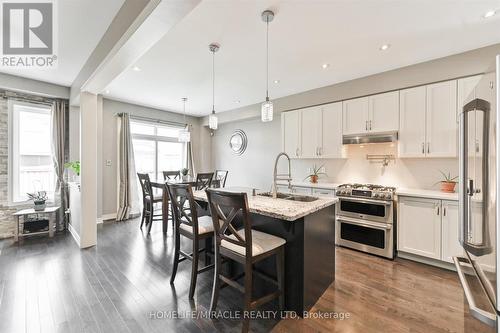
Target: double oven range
{"points": [[366, 218]]}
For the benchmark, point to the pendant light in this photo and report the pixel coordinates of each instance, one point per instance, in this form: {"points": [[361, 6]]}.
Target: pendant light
{"points": [[267, 106], [212, 119], [184, 134]]}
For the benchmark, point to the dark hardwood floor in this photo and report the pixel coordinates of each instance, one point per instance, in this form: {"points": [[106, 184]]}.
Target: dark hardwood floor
{"points": [[49, 285]]}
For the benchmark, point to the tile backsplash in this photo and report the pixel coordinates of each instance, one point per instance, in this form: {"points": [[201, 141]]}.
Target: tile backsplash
{"points": [[408, 172]]}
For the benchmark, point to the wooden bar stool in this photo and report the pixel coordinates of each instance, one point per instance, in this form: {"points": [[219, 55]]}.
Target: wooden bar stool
{"points": [[149, 199], [188, 224], [245, 246]]}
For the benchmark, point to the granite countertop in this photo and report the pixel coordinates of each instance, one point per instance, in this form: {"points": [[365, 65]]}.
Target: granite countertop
{"points": [[431, 194], [278, 208]]}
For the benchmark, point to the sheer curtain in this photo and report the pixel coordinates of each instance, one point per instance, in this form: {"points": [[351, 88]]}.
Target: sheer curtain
{"points": [[128, 200], [58, 130], [189, 156]]}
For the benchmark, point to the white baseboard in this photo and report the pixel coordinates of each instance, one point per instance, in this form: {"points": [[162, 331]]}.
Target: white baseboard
{"points": [[107, 217], [427, 261], [75, 235]]}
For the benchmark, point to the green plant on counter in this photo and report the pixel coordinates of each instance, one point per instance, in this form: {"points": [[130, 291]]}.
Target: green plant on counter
{"points": [[316, 173], [447, 178], [74, 166]]}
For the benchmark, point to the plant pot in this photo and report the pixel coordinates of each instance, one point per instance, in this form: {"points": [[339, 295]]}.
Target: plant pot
{"points": [[314, 179], [448, 187], [39, 206]]}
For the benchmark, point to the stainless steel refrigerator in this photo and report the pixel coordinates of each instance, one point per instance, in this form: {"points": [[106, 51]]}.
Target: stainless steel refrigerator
{"points": [[479, 167]]}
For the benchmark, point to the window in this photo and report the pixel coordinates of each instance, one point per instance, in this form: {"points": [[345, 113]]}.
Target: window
{"points": [[156, 148], [31, 166]]}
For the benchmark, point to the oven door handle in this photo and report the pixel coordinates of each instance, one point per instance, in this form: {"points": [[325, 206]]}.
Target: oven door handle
{"points": [[380, 202], [367, 224]]}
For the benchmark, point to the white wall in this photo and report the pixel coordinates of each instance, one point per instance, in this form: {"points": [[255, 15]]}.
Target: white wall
{"points": [[255, 167]]}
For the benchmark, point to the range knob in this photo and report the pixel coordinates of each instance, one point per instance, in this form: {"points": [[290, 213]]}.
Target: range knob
{"points": [[376, 195]]}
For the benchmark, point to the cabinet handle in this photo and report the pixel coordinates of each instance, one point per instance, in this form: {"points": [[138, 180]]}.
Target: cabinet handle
{"points": [[444, 211], [366, 125], [423, 148], [370, 125], [477, 146], [437, 209], [297, 152], [428, 147]]}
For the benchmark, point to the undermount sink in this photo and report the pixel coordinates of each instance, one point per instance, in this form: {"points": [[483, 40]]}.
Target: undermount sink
{"points": [[292, 197]]}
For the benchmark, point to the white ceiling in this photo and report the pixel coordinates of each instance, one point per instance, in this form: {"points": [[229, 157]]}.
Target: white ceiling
{"points": [[304, 34], [81, 24]]}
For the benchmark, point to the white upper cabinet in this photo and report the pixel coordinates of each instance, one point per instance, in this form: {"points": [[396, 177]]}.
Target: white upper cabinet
{"points": [[441, 119], [314, 132], [310, 132], [355, 116], [428, 121], [372, 114], [383, 112], [412, 107], [290, 131], [331, 131]]}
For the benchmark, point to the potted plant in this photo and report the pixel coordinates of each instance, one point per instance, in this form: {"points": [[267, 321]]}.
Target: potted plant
{"points": [[74, 166], [448, 182], [315, 174], [39, 199], [184, 172]]}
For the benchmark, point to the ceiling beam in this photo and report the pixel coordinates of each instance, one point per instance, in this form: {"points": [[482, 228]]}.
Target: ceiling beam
{"points": [[137, 27]]}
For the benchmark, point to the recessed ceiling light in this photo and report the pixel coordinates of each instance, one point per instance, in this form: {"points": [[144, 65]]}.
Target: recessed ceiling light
{"points": [[489, 13], [325, 66], [385, 47], [137, 69], [106, 91], [276, 81], [237, 101]]}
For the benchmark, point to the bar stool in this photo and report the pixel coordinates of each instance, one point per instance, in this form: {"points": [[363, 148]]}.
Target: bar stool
{"points": [[245, 246], [188, 224], [221, 177]]}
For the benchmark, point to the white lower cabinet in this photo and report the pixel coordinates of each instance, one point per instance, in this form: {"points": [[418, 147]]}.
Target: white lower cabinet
{"points": [[323, 192], [429, 228], [419, 227]]}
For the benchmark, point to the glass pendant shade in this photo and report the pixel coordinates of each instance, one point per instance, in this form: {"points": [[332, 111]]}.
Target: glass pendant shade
{"points": [[266, 111], [212, 121], [184, 135]]}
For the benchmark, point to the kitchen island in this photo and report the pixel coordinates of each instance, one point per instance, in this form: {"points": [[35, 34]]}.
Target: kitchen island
{"points": [[309, 231]]}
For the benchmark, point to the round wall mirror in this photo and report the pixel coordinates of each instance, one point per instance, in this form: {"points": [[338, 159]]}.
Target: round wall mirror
{"points": [[238, 142]]}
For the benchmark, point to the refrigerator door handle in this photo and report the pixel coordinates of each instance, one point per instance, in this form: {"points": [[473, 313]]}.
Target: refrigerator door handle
{"points": [[466, 185], [486, 317]]}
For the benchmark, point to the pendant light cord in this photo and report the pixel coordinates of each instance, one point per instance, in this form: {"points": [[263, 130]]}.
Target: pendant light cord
{"points": [[267, 59], [213, 82]]}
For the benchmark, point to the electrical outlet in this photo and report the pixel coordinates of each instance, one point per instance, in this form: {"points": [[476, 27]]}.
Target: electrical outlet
{"points": [[322, 169], [309, 170], [108, 163]]}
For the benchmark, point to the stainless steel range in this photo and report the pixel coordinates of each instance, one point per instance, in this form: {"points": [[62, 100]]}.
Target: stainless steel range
{"points": [[366, 218]]}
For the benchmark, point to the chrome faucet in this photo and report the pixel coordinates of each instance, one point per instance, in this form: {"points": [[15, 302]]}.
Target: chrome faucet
{"points": [[276, 176]]}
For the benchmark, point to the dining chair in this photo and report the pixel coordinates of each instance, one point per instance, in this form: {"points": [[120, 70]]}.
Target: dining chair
{"points": [[171, 175], [188, 224], [245, 246], [203, 180], [220, 177], [149, 199]]}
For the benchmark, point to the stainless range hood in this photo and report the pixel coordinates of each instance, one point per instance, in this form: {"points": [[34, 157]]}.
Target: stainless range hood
{"points": [[356, 139]]}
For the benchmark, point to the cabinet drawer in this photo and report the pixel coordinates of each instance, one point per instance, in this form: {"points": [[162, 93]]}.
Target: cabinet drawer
{"points": [[323, 191], [302, 190]]}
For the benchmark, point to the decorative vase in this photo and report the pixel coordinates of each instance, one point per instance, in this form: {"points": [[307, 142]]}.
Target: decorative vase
{"points": [[314, 179], [448, 187], [39, 206]]}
